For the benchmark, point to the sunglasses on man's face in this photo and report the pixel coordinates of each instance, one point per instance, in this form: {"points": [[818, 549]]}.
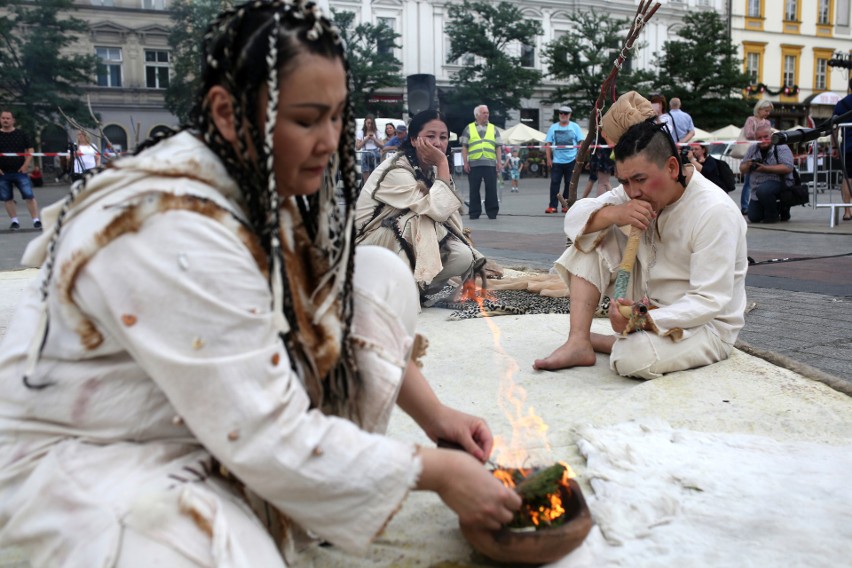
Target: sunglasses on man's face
{"points": [[564, 113]]}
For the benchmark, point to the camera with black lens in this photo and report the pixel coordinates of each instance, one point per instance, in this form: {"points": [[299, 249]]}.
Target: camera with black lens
{"points": [[684, 154], [755, 162]]}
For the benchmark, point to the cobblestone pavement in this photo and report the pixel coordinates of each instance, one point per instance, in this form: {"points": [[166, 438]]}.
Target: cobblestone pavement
{"points": [[802, 310]]}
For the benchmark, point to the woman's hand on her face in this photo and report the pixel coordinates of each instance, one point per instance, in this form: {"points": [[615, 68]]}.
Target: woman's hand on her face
{"points": [[427, 153], [467, 488]]}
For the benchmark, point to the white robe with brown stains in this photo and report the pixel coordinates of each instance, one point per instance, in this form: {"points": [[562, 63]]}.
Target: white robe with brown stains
{"points": [[161, 355], [691, 263]]}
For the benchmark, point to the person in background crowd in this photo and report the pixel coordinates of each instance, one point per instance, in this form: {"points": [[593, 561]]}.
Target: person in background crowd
{"points": [[843, 106], [482, 157], [601, 167], [14, 170], [514, 166], [86, 156], [661, 109], [213, 364], [390, 132], [771, 170], [714, 170], [368, 143], [395, 141], [681, 123], [762, 110], [560, 148]]}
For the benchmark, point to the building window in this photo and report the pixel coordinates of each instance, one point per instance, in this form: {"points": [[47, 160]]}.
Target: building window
{"points": [[153, 4], [754, 10], [753, 67], [103, 2], [790, 57], [117, 137], [819, 79], [386, 47], [791, 10], [527, 56], [753, 60], [843, 13], [824, 15], [156, 69], [109, 66], [789, 71], [822, 72]]}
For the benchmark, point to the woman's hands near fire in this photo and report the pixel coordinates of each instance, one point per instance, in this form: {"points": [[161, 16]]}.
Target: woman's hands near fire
{"points": [[439, 421], [459, 478], [476, 496], [469, 432]]}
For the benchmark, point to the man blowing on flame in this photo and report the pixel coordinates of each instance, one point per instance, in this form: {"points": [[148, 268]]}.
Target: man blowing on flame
{"points": [[691, 261]]}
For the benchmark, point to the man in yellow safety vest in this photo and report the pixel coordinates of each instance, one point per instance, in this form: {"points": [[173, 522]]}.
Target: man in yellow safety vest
{"points": [[481, 144]]}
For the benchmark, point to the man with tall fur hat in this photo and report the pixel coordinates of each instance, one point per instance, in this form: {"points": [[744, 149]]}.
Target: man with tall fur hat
{"points": [[691, 261]]}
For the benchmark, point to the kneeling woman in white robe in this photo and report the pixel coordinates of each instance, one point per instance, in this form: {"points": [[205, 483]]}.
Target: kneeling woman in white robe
{"points": [[197, 367]]}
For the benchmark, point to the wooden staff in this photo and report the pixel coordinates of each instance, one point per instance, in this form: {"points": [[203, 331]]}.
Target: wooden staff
{"points": [[622, 277], [643, 14]]}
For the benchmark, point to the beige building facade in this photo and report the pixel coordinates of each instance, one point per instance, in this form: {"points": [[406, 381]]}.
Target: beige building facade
{"points": [[784, 43], [130, 38], [793, 52]]}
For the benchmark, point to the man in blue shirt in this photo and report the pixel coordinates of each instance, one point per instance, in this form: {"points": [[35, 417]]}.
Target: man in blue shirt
{"points": [[842, 107], [393, 143], [561, 148]]}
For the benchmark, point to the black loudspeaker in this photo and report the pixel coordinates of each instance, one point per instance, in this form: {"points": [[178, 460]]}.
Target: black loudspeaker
{"points": [[421, 93]]}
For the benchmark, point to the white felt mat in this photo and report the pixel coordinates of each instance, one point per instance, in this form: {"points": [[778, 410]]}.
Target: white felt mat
{"points": [[668, 497]]}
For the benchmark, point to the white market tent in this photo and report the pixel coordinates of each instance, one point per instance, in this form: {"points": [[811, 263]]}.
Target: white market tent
{"points": [[521, 134], [729, 132], [702, 136]]}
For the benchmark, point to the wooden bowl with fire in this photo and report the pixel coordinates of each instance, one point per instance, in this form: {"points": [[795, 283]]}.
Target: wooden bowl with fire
{"points": [[553, 520]]}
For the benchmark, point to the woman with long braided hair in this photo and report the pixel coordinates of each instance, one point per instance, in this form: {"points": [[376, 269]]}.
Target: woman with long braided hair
{"points": [[199, 366]]}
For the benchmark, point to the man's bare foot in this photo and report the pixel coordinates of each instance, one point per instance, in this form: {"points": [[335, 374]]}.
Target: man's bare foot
{"points": [[569, 354]]}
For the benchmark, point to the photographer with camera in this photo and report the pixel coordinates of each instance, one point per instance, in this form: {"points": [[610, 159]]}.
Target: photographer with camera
{"points": [[771, 170], [714, 170]]}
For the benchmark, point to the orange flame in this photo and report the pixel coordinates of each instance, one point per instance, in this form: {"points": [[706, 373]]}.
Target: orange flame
{"points": [[470, 292], [543, 514], [529, 431]]}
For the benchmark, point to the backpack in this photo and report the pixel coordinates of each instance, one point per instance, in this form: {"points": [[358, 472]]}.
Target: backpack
{"points": [[726, 176], [796, 194]]}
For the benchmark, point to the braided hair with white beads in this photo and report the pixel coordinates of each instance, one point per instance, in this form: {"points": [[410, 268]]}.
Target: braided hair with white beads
{"points": [[248, 49]]}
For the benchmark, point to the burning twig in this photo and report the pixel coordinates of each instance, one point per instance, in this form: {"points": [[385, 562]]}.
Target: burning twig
{"points": [[544, 492], [643, 13]]}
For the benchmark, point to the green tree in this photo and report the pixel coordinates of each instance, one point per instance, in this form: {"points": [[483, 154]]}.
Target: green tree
{"points": [[703, 69], [191, 18], [38, 73], [488, 35], [583, 57], [371, 62]]}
